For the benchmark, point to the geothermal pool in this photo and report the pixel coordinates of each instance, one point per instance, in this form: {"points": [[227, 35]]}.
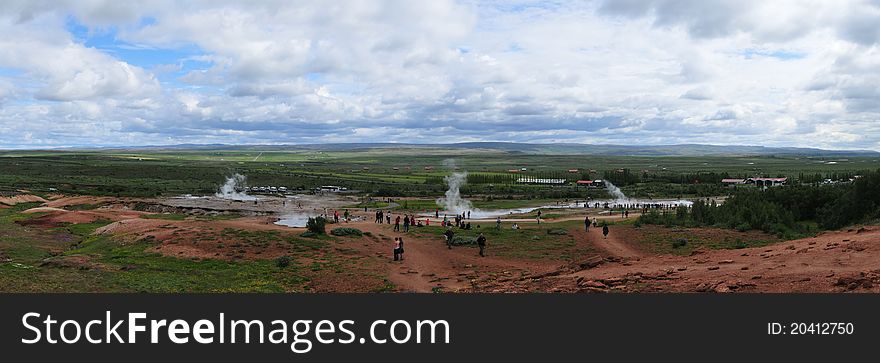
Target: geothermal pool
{"points": [[616, 203], [293, 220]]}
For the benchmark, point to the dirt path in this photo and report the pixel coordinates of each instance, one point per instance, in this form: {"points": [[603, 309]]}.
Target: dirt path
{"points": [[429, 265], [612, 244]]}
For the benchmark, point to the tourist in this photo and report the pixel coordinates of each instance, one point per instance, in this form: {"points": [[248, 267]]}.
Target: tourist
{"points": [[498, 223], [481, 242], [397, 224], [469, 215], [605, 230], [396, 248], [449, 236], [405, 224], [400, 247], [587, 223]]}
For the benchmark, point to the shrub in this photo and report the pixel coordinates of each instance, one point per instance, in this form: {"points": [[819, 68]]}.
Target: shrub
{"points": [[282, 262], [317, 225], [681, 242], [558, 232], [309, 234], [345, 231], [463, 240]]}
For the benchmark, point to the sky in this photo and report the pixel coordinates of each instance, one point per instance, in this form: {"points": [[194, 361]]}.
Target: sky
{"points": [[633, 72]]}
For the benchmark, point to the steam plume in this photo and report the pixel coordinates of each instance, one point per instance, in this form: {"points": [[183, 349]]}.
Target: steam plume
{"points": [[233, 188], [615, 191]]}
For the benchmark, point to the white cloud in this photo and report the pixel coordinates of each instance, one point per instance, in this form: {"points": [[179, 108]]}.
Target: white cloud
{"points": [[646, 71]]}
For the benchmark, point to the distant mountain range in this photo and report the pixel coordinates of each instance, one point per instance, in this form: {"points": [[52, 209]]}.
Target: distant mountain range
{"points": [[555, 149]]}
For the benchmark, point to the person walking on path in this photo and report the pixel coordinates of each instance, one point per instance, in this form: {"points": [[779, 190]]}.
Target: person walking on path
{"points": [[449, 235], [498, 223], [405, 224], [397, 224], [481, 242], [605, 230], [396, 249], [587, 223], [400, 247]]}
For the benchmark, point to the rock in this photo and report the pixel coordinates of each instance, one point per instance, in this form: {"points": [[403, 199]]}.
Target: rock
{"points": [[722, 288], [861, 230], [713, 268], [683, 268], [592, 284], [744, 268], [790, 247], [612, 281], [724, 262], [590, 262]]}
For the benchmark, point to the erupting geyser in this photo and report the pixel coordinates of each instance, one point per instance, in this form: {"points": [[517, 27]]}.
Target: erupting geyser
{"points": [[615, 192], [234, 188], [453, 202]]}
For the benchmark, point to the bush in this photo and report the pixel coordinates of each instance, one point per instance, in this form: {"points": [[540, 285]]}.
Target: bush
{"points": [[558, 232], [681, 242], [282, 262], [345, 231], [463, 240], [309, 234], [317, 225]]}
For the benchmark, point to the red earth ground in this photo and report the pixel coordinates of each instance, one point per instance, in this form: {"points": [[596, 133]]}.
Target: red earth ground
{"points": [[840, 261]]}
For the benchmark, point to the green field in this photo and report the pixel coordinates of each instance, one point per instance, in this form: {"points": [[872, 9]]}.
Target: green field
{"points": [[372, 171]]}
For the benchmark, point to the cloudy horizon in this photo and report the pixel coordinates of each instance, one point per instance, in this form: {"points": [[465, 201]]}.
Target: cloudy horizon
{"points": [[634, 72]]}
